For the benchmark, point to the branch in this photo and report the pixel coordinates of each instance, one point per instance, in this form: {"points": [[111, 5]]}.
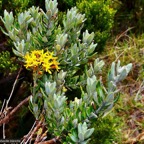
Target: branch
{"points": [[9, 116], [13, 86], [7, 102], [32, 133], [41, 135]]}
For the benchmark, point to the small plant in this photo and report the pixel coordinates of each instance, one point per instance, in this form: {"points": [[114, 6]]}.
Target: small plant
{"points": [[7, 64], [59, 61]]}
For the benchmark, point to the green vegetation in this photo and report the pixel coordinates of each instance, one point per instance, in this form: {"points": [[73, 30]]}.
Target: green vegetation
{"points": [[15, 5], [130, 105], [108, 130], [7, 64], [55, 54], [99, 18], [74, 94]]}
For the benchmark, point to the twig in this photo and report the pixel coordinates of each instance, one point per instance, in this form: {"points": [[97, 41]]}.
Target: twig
{"points": [[4, 136], [30, 135], [13, 87], [119, 56], [7, 102], [9, 116], [44, 136], [1, 113], [39, 135], [3, 106], [137, 95], [29, 132], [122, 34]]}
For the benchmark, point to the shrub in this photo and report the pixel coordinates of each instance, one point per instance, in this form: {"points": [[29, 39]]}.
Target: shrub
{"points": [[15, 5], [7, 64], [100, 19], [59, 61]]}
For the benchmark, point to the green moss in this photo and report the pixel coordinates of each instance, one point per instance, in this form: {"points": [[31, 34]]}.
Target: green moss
{"points": [[107, 130]]}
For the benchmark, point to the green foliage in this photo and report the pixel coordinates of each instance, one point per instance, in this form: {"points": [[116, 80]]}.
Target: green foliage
{"points": [[100, 18], [129, 49], [107, 130], [83, 133], [7, 64], [38, 31], [15, 5]]}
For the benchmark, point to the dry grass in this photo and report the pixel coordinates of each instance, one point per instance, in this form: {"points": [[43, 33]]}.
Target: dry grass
{"points": [[130, 107]]}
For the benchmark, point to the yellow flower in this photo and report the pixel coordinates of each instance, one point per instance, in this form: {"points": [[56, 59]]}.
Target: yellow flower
{"points": [[38, 60], [47, 67], [33, 59], [30, 62], [55, 65]]}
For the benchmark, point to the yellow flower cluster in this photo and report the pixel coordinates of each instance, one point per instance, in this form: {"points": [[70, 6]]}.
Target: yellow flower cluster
{"points": [[42, 61]]}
